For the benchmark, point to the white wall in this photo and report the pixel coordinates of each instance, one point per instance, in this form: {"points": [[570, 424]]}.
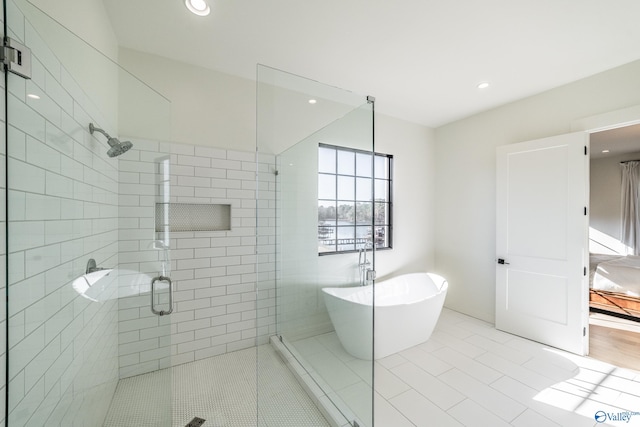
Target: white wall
{"points": [[414, 155], [86, 18], [605, 202], [465, 175], [207, 107]]}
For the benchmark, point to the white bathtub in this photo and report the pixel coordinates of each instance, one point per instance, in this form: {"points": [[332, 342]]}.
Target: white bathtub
{"points": [[407, 309]]}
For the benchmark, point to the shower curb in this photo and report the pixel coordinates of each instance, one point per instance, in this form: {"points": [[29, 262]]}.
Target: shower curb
{"points": [[334, 415]]}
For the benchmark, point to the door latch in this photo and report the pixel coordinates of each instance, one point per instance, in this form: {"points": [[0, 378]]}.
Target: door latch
{"points": [[502, 261]]}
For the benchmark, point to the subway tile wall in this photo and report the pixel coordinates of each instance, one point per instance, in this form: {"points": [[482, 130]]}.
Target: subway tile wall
{"points": [[63, 208], [69, 202], [214, 273]]}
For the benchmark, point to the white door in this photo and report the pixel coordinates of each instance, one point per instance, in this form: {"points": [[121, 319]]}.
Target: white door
{"points": [[542, 241]]}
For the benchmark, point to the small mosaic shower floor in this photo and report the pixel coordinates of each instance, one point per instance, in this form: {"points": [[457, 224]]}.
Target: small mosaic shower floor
{"points": [[221, 390]]}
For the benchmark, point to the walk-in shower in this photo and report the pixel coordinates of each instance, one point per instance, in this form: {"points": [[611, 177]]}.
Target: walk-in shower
{"points": [[91, 339], [74, 329], [296, 267], [117, 147]]}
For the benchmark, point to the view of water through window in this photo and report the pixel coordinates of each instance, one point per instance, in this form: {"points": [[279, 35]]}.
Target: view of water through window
{"points": [[354, 203]]}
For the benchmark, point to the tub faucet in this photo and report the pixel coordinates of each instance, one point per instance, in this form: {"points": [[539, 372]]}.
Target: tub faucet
{"points": [[364, 264]]}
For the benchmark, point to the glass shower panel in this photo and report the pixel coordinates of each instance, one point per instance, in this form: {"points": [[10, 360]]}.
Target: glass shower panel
{"points": [[82, 243], [301, 177]]}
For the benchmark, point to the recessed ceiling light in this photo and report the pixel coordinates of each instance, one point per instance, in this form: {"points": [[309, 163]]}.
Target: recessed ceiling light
{"points": [[199, 7], [33, 96], [605, 151], [312, 101], [483, 85]]}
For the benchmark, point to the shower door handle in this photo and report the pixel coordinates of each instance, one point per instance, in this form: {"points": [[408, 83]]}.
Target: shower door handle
{"points": [[153, 290]]}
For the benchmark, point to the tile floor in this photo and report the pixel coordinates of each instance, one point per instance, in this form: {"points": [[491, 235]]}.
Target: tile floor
{"points": [[467, 374], [470, 374], [221, 390]]}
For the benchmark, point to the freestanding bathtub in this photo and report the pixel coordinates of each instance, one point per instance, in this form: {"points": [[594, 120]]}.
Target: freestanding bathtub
{"points": [[407, 308]]}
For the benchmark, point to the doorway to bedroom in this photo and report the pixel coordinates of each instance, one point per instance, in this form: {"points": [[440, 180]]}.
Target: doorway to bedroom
{"points": [[614, 249]]}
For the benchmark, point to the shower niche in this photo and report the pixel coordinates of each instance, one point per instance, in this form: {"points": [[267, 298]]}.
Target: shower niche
{"points": [[192, 217]]}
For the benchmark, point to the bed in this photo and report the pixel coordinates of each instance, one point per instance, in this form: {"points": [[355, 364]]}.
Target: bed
{"points": [[614, 283]]}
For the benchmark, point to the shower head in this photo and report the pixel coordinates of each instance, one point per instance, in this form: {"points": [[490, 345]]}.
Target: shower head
{"points": [[117, 147]]}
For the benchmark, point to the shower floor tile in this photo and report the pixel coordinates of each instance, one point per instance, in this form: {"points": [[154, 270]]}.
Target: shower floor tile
{"points": [[221, 389]]}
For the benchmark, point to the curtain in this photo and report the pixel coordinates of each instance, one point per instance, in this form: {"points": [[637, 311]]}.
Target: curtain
{"points": [[631, 207]]}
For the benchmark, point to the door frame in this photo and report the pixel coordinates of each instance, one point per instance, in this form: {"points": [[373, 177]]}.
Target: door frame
{"points": [[606, 121]]}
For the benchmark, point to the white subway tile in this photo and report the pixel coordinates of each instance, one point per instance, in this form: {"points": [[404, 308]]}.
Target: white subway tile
{"points": [[211, 192], [227, 338], [26, 350], [218, 153], [60, 186], [197, 344], [26, 177], [245, 156], [241, 175], [26, 119], [226, 164], [208, 172], [226, 183], [41, 363], [136, 166], [191, 181], [45, 106], [31, 235], [58, 93], [239, 307], [58, 231], [210, 272], [138, 346], [177, 191], [129, 359], [194, 325], [17, 143], [58, 140], [181, 170]]}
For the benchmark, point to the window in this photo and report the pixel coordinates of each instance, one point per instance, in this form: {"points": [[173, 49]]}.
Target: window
{"points": [[348, 181]]}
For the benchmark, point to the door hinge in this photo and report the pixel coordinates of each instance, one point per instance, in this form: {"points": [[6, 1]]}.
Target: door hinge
{"points": [[16, 58], [584, 331], [584, 273], [585, 210], [585, 150]]}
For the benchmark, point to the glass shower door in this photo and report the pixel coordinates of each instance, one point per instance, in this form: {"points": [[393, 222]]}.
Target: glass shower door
{"points": [[315, 146], [88, 331]]}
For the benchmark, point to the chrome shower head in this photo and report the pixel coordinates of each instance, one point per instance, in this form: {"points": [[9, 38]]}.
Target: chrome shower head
{"points": [[117, 147]]}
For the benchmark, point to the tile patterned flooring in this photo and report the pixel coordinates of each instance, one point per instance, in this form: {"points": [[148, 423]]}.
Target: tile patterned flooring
{"points": [[467, 374], [221, 390], [470, 374]]}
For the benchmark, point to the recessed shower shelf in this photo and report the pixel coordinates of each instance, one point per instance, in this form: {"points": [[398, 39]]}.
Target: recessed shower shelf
{"points": [[193, 217]]}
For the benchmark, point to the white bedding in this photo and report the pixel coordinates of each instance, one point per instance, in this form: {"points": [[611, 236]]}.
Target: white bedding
{"points": [[618, 275]]}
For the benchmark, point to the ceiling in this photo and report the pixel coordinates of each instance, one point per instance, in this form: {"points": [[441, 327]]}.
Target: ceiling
{"points": [[618, 141], [421, 59]]}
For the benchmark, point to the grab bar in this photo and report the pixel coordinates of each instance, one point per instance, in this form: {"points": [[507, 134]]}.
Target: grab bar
{"points": [[153, 289]]}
